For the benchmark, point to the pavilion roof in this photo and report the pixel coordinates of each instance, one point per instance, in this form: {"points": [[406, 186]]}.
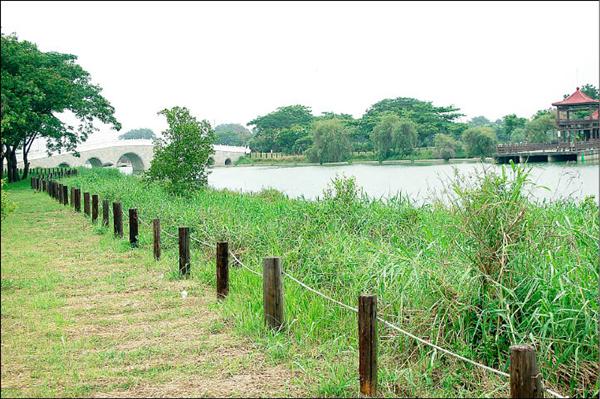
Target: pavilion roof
{"points": [[577, 98]]}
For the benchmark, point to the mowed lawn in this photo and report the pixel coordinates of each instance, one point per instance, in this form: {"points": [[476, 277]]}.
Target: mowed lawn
{"points": [[83, 314]]}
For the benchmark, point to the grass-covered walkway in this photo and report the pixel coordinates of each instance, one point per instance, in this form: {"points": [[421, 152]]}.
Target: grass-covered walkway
{"points": [[85, 315]]}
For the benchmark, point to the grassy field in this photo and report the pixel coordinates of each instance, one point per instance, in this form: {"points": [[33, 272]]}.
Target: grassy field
{"points": [[83, 314], [487, 270]]}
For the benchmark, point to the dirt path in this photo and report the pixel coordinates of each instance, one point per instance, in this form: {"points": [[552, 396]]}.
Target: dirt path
{"points": [[84, 315]]}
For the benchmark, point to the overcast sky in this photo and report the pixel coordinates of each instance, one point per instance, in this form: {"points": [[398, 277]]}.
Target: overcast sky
{"points": [[229, 62]]}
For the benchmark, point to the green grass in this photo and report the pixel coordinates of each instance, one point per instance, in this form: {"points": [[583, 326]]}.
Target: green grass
{"points": [[83, 314], [426, 264]]}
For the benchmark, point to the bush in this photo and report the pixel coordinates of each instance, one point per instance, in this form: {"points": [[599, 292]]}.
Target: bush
{"points": [[6, 206]]}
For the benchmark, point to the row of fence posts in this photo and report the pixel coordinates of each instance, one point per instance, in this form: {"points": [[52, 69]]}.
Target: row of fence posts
{"points": [[525, 378]]}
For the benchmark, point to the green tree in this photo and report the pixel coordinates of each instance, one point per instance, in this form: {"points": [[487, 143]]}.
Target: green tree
{"points": [[508, 124], [232, 134], [138, 134], [279, 130], [429, 119], [331, 141], [36, 87], [479, 121], [518, 135], [404, 138], [445, 146], [393, 135], [479, 141], [182, 155], [542, 128]]}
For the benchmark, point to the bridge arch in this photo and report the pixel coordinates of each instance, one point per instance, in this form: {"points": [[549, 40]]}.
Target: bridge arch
{"points": [[64, 165], [131, 159], [94, 162], [228, 161]]}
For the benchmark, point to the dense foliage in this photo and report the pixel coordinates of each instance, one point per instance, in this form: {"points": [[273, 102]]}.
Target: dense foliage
{"points": [[182, 155], [476, 272], [138, 134], [36, 87], [232, 134], [331, 141]]}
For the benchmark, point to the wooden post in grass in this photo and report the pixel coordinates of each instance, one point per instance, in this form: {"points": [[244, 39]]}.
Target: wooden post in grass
{"points": [[272, 292], [77, 200], [118, 219], [105, 213], [156, 238], [525, 378], [133, 227], [44, 185], [367, 344], [184, 251], [86, 204], [222, 269], [94, 208], [72, 197], [59, 193], [66, 195]]}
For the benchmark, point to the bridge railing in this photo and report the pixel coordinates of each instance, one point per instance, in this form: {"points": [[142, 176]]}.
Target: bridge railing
{"points": [[547, 147]]}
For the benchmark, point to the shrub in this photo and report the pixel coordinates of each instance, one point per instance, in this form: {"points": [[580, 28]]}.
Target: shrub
{"points": [[6, 206]]}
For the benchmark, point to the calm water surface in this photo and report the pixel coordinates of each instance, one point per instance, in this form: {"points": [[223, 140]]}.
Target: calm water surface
{"points": [[419, 182]]}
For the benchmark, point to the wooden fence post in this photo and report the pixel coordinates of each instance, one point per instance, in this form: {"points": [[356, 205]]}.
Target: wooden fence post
{"points": [[59, 193], [525, 378], [367, 344], [156, 238], [272, 292], [86, 203], [222, 269], [184, 251], [133, 227], [94, 208], [77, 200], [72, 197], [118, 219], [105, 213], [66, 195]]}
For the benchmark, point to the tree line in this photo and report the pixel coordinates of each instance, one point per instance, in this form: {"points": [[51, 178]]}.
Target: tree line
{"points": [[390, 128]]}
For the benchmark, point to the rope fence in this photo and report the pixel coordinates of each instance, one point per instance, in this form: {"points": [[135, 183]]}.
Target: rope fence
{"points": [[522, 355]]}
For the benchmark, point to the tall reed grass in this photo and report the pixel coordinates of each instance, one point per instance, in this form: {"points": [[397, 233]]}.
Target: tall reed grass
{"points": [[482, 270]]}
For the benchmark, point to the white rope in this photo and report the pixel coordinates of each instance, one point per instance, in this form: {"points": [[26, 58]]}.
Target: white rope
{"points": [[243, 265], [355, 310], [394, 327]]}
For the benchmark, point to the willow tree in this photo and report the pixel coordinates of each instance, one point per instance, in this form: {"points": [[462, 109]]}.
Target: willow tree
{"points": [[37, 87]]}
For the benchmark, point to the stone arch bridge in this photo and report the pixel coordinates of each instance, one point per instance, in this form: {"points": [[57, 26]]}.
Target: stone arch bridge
{"points": [[136, 154]]}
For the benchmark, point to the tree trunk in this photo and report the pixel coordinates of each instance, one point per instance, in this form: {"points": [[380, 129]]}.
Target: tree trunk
{"points": [[11, 160], [2, 165], [25, 165]]}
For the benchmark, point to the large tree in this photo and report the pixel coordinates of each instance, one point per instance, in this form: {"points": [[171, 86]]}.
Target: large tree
{"points": [[429, 119], [507, 126], [279, 130], [331, 141], [232, 134], [541, 128], [479, 141], [36, 88], [393, 135]]}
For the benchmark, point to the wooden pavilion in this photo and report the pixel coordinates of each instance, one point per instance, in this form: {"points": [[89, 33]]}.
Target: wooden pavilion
{"points": [[577, 118]]}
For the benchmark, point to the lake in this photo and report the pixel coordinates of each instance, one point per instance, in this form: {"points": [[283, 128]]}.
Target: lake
{"points": [[418, 181]]}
